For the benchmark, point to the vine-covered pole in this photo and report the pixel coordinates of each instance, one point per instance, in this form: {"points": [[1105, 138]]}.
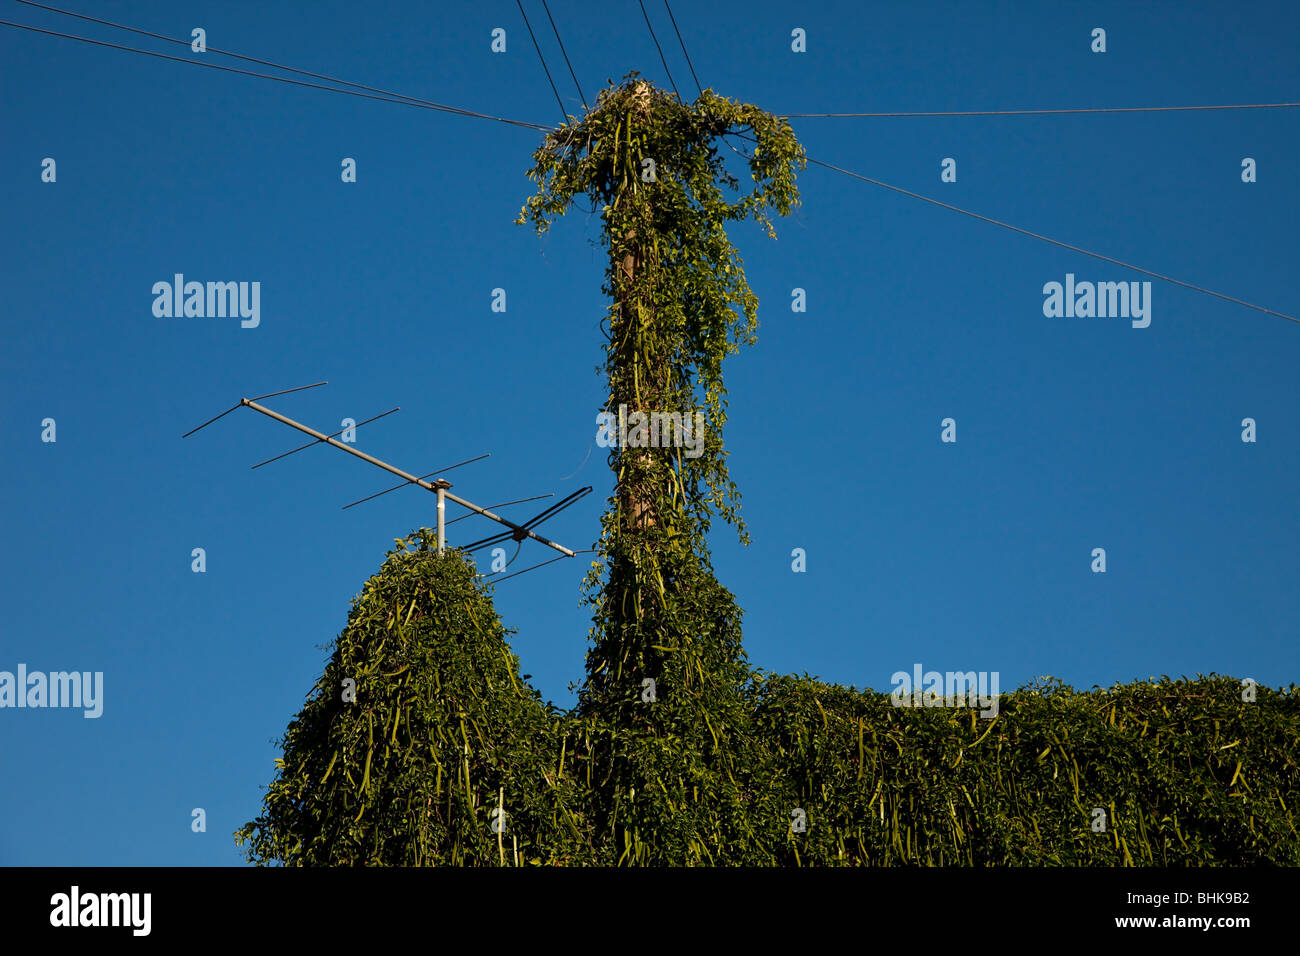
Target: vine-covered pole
{"points": [[679, 305]]}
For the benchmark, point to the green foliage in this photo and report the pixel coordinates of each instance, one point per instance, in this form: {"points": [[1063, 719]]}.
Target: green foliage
{"points": [[407, 773], [1186, 772], [670, 772], [712, 768], [686, 304]]}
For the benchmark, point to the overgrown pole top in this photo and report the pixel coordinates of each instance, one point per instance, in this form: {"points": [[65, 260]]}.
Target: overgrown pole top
{"points": [[657, 171]]}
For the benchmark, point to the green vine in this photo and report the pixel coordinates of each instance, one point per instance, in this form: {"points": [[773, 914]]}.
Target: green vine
{"points": [[680, 305], [678, 752], [666, 674]]}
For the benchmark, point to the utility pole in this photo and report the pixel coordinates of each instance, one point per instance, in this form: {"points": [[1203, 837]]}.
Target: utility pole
{"points": [[639, 387]]}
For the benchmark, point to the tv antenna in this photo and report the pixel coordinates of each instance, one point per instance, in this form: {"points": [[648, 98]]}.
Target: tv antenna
{"points": [[518, 533]]}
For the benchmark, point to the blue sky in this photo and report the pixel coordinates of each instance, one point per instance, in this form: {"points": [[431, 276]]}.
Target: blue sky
{"points": [[1072, 433]]}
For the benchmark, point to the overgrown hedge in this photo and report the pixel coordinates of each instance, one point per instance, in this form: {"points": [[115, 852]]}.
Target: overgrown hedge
{"points": [[444, 728], [408, 771], [1186, 772], [678, 752]]}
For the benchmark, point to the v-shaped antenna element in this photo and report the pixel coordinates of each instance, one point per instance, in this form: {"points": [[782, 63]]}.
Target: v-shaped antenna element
{"points": [[502, 504], [258, 398], [522, 531]]}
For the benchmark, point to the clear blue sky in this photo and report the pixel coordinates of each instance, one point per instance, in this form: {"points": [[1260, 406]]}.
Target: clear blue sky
{"points": [[1073, 433]]}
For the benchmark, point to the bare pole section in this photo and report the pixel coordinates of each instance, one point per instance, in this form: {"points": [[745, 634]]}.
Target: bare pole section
{"points": [[442, 485], [442, 491]]}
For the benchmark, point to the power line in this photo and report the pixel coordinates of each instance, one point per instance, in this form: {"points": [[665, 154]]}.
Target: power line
{"points": [[212, 49], [547, 8], [471, 113], [543, 59], [403, 101], [683, 43], [1096, 109], [658, 47], [428, 104], [1048, 239]]}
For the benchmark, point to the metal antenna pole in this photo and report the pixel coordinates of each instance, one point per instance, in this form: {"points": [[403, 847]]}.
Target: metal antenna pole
{"points": [[442, 485], [520, 532]]}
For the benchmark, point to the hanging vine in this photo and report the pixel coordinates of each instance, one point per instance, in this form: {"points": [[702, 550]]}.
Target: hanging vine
{"points": [[679, 306], [666, 673], [422, 726]]}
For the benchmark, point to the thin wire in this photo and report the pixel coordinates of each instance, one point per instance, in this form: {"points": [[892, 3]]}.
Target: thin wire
{"points": [[738, 152], [213, 49], [584, 460], [683, 43], [545, 69], [426, 104], [250, 59], [1097, 109], [1048, 239], [404, 101], [542, 565], [658, 47], [547, 8], [453, 109], [498, 580]]}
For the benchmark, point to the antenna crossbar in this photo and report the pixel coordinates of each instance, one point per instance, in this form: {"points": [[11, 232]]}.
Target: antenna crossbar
{"points": [[439, 488]]}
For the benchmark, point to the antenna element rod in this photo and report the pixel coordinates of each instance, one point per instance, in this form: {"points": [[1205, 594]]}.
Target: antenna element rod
{"points": [[442, 492]]}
